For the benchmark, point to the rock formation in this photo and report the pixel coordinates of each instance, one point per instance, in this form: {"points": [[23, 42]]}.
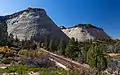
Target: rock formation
{"points": [[33, 23], [83, 32]]}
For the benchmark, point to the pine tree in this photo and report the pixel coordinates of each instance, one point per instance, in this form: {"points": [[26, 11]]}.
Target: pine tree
{"points": [[10, 39], [46, 42], [55, 45], [32, 39], [117, 47], [51, 45], [3, 34], [72, 50], [16, 39], [95, 57], [61, 47]]}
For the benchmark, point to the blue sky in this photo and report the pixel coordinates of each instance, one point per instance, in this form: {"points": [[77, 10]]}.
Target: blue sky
{"points": [[101, 13]]}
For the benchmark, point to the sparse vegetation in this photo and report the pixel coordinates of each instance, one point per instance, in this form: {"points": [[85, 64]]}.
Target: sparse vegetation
{"points": [[90, 52], [23, 55], [24, 70], [6, 61], [23, 52], [85, 26]]}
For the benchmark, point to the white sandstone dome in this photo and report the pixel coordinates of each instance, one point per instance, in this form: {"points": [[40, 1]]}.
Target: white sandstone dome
{"points": [[84, 32], [33, 22]]}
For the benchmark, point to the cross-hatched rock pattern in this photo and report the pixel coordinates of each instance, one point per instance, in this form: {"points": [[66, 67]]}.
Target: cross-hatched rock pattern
{"points": [[33, 23], [84, 32]]}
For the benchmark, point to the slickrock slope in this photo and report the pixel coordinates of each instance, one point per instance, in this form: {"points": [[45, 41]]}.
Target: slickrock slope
{"points": [[83, 32], [35, 23]]}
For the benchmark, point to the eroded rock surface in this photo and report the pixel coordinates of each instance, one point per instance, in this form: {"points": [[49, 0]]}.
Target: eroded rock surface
{"points": [[35, 23], [83, 32]]}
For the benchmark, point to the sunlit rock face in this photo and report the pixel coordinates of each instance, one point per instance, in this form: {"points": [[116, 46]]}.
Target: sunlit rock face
{"points": [[84, 32], [35, 23]]}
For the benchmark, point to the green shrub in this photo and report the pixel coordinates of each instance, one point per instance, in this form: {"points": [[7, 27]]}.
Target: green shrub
{"points": [[6, 61], [24, 70], [23, 52]]}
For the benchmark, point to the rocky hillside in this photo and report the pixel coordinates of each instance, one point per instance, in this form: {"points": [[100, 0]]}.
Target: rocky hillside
{"points": [[83, 32], [33, 22]]}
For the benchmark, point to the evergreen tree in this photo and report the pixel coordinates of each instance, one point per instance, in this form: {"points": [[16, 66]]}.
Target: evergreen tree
{"points": [[46, 42], [72, 49], [51, 45], [10, 39], [22, 44], [55, 45], [32, 39], [61, 47], [95, 57], [3, 34], [84, 50], [16, 39], [117, 47]]}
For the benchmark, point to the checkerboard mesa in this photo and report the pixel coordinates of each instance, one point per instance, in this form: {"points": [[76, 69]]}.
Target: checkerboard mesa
{"points": [[32, 22], [84, 32]]}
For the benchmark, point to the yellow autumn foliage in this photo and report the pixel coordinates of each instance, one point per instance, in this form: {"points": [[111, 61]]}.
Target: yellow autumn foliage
{"points": [[5, 50]]}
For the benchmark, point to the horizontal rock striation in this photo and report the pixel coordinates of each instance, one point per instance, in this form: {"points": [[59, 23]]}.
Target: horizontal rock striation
{"points": [[33, 23], [83, 32]]}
